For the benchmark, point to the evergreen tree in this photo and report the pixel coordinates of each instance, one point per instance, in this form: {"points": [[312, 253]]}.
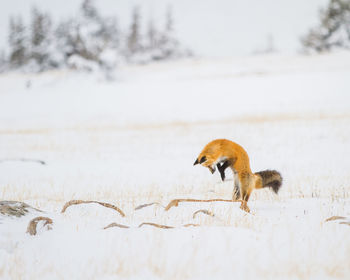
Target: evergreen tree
{"points": [[169, 21], [152, 35], [40, 39], [157, 44], [86, 40], [109, 32], [67, 38], [134, 37], [169, 45], [17, 42], [333, 30], [89, 10]]}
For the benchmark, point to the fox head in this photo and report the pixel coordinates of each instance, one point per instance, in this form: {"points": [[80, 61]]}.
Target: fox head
{"points": [[203, 160]]}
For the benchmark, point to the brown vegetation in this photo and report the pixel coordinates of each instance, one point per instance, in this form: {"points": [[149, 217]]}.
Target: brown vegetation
{"points": [[104, 204], [155, 225], [31, 229], [116, 225], [207, 212], [175, 202]]}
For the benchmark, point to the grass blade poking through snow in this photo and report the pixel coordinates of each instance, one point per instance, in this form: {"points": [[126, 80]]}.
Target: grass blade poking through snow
{"points": [[207, 212], [104, 204], [148, 204], [155, 225], [31, 229], [191, 225], [333, 218], [175, 202], [116, 225]]}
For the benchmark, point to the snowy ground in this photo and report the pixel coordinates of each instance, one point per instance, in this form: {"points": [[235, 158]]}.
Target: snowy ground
{"points": [[133, 141]]}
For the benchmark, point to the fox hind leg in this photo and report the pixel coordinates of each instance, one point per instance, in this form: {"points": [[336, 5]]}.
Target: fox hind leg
{"points": [[237, 188], [246, 190], [244, 202], [236, 193]]}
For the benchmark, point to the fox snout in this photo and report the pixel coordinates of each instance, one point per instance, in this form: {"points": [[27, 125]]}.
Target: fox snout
{"points": [[203, 159]]}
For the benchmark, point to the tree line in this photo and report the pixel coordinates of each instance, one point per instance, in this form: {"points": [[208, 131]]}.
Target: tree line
{"points": [[91, 41], [88, 41]]}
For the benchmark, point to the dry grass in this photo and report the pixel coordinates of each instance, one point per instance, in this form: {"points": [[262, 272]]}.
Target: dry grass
{"points": [[223, 239], [148, 204], [333, 218], [206, 212], [155, 225], [150, 224], [31, 229], [104, 204], [15, 208], [191, 225], [116, 225], [340, 219], [175, 202]]}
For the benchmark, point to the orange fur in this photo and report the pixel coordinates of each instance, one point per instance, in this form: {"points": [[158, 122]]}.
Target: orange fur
{"points": [[221, 151]]}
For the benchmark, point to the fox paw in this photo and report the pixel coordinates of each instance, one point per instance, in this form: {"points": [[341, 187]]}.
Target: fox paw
{"points": [[245, 207]]}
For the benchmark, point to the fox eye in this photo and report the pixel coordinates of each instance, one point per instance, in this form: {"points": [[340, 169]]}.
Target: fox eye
{"points": [[203, 159]]}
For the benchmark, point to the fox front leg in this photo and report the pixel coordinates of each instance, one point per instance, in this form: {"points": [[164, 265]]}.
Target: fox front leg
{"points": [[212, 169], [222, 169]]}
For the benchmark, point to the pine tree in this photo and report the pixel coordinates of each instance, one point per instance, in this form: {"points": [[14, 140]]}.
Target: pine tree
{"points": [[333, 30], [109, 32], [67, 38], [96, 33], [162, 43], [169, 21], [74, 35], [87, 41], [169, 44], [152, 34], [17, 42], [41, 39], [134, 37], [89, 10]]}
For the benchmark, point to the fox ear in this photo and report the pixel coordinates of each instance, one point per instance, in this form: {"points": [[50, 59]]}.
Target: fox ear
{"points": [[203, 159]]}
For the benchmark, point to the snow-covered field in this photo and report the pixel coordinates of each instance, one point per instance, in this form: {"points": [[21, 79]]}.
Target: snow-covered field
{"points": [[133, 141]]}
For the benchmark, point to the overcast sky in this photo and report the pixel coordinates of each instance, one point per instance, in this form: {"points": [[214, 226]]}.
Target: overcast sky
{"points": [[209, 27]]}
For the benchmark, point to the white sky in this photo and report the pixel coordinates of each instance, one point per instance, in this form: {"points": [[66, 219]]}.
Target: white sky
{"points": [[209, 27]]}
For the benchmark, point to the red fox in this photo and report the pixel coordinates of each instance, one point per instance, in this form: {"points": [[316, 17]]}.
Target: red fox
{"points": [[230, 154]]}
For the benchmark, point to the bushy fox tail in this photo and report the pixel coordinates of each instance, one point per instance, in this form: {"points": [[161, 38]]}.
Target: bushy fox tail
{"points": [[271, 179]]}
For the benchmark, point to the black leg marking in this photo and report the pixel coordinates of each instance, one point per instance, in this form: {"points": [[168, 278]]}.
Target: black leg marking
{"points": [[222, 169], [221, 172]]}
